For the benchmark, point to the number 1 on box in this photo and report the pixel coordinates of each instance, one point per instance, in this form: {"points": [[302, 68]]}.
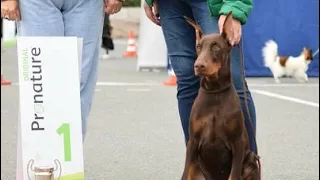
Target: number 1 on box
{"points": [[65, 130]]}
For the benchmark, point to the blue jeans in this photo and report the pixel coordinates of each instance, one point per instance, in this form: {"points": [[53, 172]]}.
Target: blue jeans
{"points": [[180, 40], [81, 18]]}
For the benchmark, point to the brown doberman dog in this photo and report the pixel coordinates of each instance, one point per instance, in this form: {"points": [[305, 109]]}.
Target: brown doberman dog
{"points": [[218, 147]]}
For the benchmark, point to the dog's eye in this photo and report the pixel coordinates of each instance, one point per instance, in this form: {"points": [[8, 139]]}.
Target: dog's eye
{"points": [[198, 46]]}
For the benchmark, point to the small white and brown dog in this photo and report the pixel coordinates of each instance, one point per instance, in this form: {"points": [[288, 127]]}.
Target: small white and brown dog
{"points": [[286, 66]]}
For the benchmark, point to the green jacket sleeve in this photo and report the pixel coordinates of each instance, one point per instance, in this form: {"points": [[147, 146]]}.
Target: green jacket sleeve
{"points": [[240, 9], [149, 2]]}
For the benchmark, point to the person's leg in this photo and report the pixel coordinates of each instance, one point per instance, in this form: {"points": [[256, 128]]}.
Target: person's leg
{"points": [[210, 25], [84, 18], [40, 18], [180, 40]]}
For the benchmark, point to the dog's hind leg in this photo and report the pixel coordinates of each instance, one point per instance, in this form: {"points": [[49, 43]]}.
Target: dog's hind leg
{"points": [[277, 72], [276, 76]]}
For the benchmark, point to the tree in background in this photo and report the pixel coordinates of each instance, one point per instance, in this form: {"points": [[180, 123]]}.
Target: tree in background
{"points": [[132, 3]]}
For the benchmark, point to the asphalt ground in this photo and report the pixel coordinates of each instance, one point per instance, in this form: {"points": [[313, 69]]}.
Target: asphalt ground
{"points": [[135, 133]]}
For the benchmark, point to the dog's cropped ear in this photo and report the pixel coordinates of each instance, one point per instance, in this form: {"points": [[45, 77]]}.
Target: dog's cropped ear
{"points": [[197, 28], [227, 30]]}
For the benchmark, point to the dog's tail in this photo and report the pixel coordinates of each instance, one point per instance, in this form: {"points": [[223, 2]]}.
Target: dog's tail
{"points": [[270, 53]]}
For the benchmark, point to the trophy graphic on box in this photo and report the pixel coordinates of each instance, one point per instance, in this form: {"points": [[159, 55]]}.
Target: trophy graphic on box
{"points": [[43, 172]]}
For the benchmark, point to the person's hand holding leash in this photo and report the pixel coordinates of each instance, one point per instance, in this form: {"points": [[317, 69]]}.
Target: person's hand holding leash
{"points": [[10, 10], [152, 12], [113, 6], [237, 29]]}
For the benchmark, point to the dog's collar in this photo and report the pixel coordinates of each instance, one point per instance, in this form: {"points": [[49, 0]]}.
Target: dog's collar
{"points": [[215, 91]]}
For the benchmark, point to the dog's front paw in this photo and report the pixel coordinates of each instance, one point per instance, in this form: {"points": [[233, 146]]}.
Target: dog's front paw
{"points": [[305, 79], [277, 81], [302, 81]]}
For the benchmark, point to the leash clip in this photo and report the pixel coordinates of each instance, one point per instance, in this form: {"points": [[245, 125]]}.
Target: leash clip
{"points": [[316, 53]]}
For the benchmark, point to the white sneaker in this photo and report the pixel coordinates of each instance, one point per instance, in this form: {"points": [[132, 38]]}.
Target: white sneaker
{"points": [[105, 56]]}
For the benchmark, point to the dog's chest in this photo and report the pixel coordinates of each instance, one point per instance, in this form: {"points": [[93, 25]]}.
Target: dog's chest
{"points": [[214, 145], [214, 128], [216, 121]]}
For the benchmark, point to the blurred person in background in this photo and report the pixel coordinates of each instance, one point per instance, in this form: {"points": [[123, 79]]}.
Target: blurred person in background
{"points": [[180, 39], [1, 30], [1, 39], [81, 18], [107, 41]]}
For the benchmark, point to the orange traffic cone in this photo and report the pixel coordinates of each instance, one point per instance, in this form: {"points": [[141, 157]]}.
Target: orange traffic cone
{"points": [[3, 81], [172, 77], [131, 48]]}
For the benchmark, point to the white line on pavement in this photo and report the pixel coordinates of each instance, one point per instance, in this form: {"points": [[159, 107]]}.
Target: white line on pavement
{"points": [[283, 85], [287, 98], [138, 90]]}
